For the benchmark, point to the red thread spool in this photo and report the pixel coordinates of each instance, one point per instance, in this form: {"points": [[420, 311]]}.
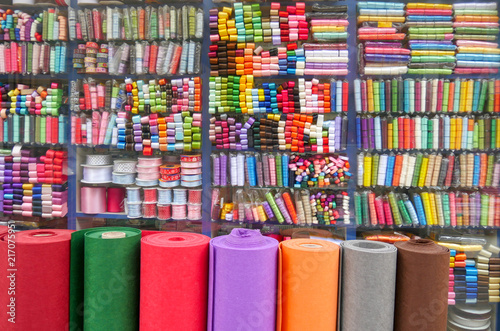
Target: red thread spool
{"points": [[116, 196], [195, 196], [164, 212], [150, 195], [149, 210]]}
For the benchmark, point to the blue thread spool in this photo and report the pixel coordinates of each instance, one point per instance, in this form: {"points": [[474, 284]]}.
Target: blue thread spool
{"points": [[134, 209], [164, 196], [133, 194]]}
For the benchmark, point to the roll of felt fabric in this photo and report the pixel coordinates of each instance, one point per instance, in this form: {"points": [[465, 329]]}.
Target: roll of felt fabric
{"points": [[241, 258], [308, 285], [174, 281], [3, 229], [105, 271], [421, 286], [368, 281], [35, 283]]}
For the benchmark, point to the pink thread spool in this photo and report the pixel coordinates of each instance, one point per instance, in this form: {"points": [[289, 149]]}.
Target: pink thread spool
{"points": [[150, 194], [194, 211], [178, 211], [164, 212], [195, 196], [116, 196], [149, 210]]}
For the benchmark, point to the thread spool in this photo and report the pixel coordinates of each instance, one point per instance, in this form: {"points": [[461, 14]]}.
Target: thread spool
{"points": [[150, 195], [125, 166], [123, 178], [195, 196], [134, 209], [116, 196], [164, 196], [148, 176], [149, 161], [194, 211], [191, 165], [165, 184], [93, 174], [164, 212], [149, 210], [133, 194], [178, 212], [93, 200], [98, 159], [195, 183], [180, 195], [146, 183]]}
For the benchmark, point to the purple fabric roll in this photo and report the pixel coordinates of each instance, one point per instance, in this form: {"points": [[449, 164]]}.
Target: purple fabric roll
{"points": [[243, 275]]}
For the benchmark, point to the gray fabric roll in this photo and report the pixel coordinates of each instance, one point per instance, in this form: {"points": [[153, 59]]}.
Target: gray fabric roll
{"points": [[368, 285]]}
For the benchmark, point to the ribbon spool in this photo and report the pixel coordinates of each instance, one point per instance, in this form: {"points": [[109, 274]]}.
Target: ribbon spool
{"points": [[150, 195], [133, 194], [134, 209], [180, 196], [194, 196], [93, 200], [93, 174], [146, 183], [149, 161], [88, 2], [164, 196], [194, 212], [125, 166], [116, 197], [123, 178], [149, 209], [164, 212], [179, 212], [98, 159]]}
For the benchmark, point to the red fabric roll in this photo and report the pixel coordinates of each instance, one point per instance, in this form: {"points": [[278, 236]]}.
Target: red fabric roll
{"points": [[3, 229], [174, 282], [41, 280]]}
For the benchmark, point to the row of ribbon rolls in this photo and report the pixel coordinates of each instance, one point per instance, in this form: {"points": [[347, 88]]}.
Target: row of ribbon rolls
{"points": [[431, 38], [285, 132], [32, 114], [437, 133], [48, 25], [466, 170], [427, 208], [33, 184], [299, 207], [138, 115], [305, 40], [136, 23], [280, 170], [242, 95], [427, 96], [163, 58]]}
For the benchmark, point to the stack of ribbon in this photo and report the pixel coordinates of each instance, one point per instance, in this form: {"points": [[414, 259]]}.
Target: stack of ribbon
{"points": [[49, 25], [32, 58], [466, 170], [488, 264], [240, 95], [256, 206], [429, 208], [430, 35], [34, 186], [137, 23], [302, 133], [24, 117], [476, 32], [380, 37]]}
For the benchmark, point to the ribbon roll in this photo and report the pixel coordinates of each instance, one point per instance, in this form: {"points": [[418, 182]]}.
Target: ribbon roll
{"points": [[93, 200]]}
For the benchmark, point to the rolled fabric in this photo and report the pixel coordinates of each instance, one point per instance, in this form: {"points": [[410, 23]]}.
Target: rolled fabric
{"points": [[242, 257], [368, 285], [421, 286], [174, 287], [105, 271], [308, 285], [41, 276], [3, 229]]}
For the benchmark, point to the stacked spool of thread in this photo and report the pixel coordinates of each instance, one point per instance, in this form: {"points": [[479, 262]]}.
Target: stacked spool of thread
{"points": [[466, 170], [191, 170], [429, 208], [465, 278], [476, 31], [32, 58], [462, 315], [148, 171], [427, 96], [430, 35], [278, 170], [303, 208], [488, 264], [381, 38], [49, 25], [124, 172], [304, 96], [137, 23], [170, 175], [302, 133], [439, 133], [98, 169], [32, 186]]}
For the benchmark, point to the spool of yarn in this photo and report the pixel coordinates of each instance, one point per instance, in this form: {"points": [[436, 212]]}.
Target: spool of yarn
{"points": [[174, 272], [134, 194], [41, 256], [98, 159], [116, 197], [308, 290], [93, 200], [93, 174], [125, 166], [243, 257]]}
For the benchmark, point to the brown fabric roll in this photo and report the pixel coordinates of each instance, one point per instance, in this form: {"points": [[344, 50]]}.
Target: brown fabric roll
{"points": [[421, 286]]}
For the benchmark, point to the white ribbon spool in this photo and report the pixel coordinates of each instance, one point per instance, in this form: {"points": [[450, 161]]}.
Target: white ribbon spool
{"points": [[97, 174]]}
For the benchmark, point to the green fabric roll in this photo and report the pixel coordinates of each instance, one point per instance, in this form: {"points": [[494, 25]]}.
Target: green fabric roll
{"points": [[105, 280]]}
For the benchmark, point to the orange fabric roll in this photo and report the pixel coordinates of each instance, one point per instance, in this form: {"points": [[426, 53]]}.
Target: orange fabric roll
{"points": [[308, 285]]}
